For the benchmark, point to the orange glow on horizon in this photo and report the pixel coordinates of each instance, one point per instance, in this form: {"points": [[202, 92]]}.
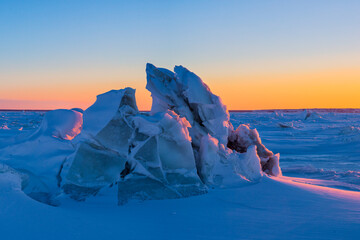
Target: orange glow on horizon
{"points": [[326, 89], [335, 89]]}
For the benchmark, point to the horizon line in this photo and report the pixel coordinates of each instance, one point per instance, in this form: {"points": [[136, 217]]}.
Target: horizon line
{"points": [[232, 110]]}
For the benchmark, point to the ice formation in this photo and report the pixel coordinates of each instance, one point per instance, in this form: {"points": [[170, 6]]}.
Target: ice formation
{"points": [[183, 147]]}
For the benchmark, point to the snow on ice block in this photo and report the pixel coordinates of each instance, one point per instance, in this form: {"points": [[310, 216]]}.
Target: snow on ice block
{"points": [[61, 123]]}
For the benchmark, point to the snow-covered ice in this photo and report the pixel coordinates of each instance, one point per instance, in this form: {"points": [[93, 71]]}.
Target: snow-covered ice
{"points": [[183, 146]]}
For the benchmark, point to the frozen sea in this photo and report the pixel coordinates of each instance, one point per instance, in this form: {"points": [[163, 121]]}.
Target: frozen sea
{"points": [[317, 144], [317, 148]]}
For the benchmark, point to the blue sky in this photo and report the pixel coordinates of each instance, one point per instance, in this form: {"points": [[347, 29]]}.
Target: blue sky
{"points": [[47, 44]]}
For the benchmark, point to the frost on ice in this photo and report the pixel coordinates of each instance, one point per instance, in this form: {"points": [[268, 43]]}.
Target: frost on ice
{"points": [[183, 147]]}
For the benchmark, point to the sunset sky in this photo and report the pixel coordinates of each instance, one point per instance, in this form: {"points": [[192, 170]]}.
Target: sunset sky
{"points": [[254, 54]]}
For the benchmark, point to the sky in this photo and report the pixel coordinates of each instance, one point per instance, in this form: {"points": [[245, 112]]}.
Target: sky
{"points": [[268, 54]]}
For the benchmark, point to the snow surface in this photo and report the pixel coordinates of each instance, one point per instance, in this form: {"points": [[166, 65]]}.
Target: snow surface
{"points": [[275, 208]]}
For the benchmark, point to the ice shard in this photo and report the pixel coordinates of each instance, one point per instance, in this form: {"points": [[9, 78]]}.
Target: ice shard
{"points": [[161, 161]]}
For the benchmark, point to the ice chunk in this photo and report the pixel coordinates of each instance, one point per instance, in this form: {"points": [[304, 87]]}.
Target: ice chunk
{"points": [[223, 167], [209, 155], [107, 105], [247, 165], [244, 137], [305, 114], [286, 124], [272, 166], [93, 167], [187, 95], [310, 115], [161, 162], [277, 114], [102, 146], [5, 127], [213, 137]]}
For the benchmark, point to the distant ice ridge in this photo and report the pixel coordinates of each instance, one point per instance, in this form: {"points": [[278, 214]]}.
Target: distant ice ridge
{"points": [[183, 147]]}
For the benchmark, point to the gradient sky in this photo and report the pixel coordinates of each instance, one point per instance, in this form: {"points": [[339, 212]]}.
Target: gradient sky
{"points": [[254, 54]]}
